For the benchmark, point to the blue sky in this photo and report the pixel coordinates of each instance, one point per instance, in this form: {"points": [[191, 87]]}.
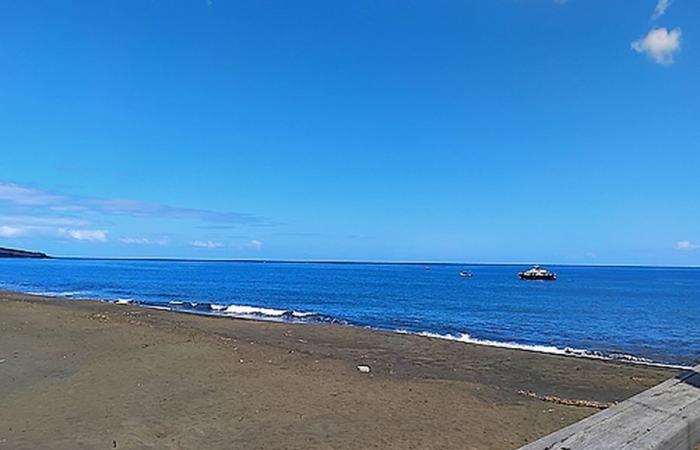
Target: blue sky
{"points": [[511, 130]]}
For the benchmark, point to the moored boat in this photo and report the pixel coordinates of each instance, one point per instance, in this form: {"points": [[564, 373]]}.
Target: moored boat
{"points": [[538, 273], [465, 274]]}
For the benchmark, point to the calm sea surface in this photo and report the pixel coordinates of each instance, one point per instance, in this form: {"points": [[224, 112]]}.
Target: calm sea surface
{"points": [[640, 314]]}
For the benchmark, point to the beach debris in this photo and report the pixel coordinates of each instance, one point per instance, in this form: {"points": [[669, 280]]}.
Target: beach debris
{"points": [[2, 361], [364, 369], [568, 402]]}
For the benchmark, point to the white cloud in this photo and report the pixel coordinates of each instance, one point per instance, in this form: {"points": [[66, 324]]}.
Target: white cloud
{"points": [[9, 231], [659, 44], [144, 241], [42, 221], [686, 245], [256, 244], [138, 241], [40, 227], [84, 235], [33, 198], [207, 244], [26, 196], [661, 7]]}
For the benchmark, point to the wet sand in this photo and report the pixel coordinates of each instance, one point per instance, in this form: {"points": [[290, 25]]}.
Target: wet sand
{"points": [[83, 374]]}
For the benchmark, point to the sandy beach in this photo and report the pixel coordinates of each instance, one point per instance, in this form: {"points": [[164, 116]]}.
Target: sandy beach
{"points": [[85, 374]]}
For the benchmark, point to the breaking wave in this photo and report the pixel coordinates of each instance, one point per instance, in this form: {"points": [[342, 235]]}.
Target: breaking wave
{"points": [[259, 312], [288, 315], [549, 349], [66, 294]]}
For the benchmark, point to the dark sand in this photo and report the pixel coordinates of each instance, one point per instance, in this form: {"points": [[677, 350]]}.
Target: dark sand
{"points": [[81, 374]]}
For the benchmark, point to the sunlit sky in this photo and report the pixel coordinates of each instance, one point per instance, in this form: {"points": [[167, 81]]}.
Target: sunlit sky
{"points": [[485, 131]]}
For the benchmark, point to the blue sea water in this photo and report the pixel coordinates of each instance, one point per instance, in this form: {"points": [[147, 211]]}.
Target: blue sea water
{"points": [[641, 314]]}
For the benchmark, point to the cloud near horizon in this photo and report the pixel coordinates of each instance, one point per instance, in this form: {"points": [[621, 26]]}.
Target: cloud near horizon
{"points": [[9, 231], [256, 244], [144, 241], [207, 244], [30, 197], [687, 245], [85, 235], [16, 231], [31, 211], [660, 45]]}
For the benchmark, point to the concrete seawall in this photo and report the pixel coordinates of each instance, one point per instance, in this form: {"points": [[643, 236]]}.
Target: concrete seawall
{"points": [[665, 417]]}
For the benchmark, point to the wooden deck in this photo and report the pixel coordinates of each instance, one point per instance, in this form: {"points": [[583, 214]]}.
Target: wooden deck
{"points": [[666, 417]]}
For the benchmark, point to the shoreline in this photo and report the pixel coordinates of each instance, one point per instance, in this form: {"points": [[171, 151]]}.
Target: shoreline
{"points": [[297, 317], [93, 373]]}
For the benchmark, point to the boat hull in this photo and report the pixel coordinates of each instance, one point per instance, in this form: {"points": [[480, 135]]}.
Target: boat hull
{"points": [[550, 277]]}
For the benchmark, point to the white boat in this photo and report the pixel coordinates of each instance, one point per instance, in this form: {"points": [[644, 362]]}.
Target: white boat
{"points": [[537, 273]]}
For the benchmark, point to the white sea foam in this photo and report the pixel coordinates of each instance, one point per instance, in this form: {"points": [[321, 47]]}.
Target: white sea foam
{"points": [[243, 309], [256, 311], [160, 308], [59, 293], [549, 349], [246, 311]]}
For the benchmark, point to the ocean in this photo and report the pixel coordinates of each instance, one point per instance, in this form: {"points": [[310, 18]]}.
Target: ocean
{"points": [[647, 315]]}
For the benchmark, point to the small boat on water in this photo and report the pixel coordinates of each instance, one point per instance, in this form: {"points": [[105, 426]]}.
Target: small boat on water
{"points": [[465, 274], [537, 273]]}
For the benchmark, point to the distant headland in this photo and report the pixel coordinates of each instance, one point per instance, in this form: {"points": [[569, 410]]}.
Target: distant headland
{"points": [[14, 253]]}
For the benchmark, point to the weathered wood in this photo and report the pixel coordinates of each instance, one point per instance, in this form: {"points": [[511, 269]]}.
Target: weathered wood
{"points": [[666, 417]]}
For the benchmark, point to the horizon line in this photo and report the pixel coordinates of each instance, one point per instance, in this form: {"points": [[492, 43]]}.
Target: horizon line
{"points": [[360, 261]]}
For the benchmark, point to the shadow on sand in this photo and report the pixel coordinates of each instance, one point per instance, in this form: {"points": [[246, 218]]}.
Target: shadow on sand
{"points": [[691, 377]]}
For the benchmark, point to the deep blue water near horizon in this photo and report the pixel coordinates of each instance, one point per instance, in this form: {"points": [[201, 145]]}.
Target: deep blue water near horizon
{"points": [[642, 312]]}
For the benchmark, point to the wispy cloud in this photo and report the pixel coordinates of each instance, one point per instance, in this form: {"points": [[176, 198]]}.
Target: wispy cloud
{"points": [[299, 234], [256, 244], [78, 234], [25, 196], [661, 7], [85, 235], [9, 231], [44, 221], [207, 244], [144, 241], [137, 241], [687, 245], [659, 44]]}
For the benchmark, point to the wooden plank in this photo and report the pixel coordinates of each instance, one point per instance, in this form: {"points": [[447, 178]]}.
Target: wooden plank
{"points": [[665, 417]]}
